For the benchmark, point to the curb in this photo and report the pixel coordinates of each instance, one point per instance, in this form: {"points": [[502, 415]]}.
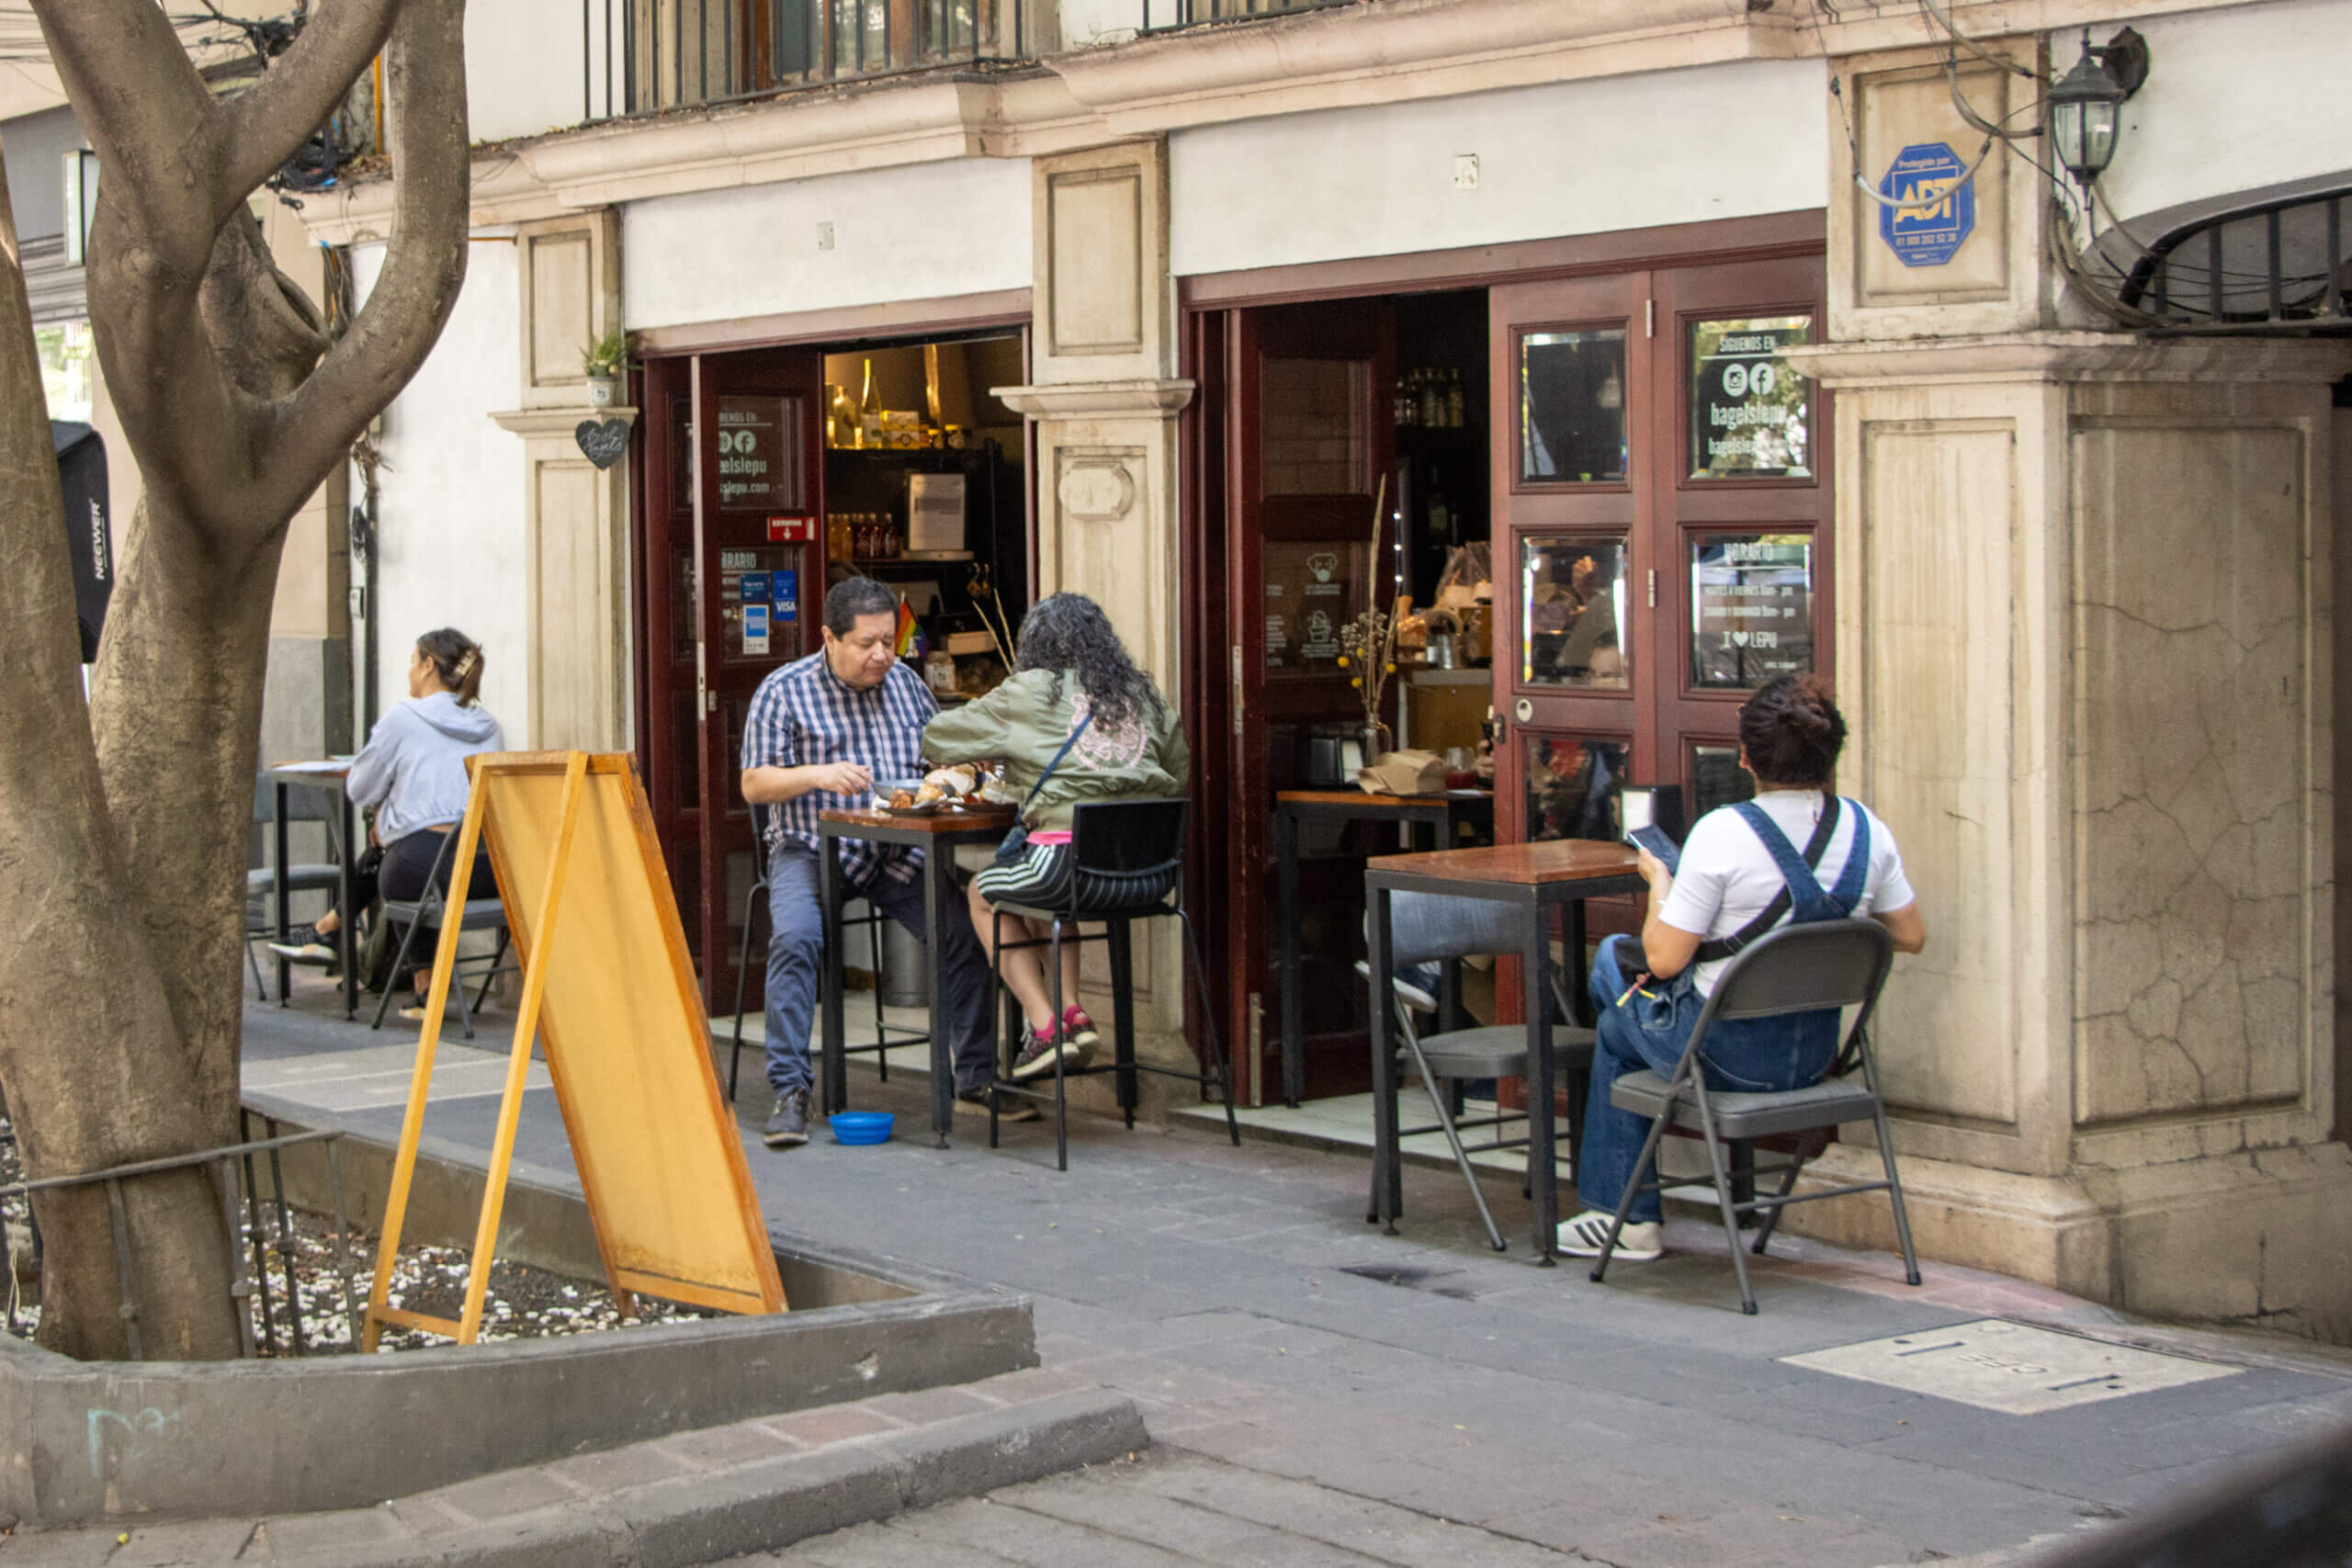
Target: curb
{"points": [[765, 1507]]}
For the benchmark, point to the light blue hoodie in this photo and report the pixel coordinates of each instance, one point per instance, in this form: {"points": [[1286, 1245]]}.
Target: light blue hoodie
{"points": [[413, 769]]}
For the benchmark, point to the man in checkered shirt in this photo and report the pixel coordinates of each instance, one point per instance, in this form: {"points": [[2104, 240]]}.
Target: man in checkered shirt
{"points": [[820, 732]]}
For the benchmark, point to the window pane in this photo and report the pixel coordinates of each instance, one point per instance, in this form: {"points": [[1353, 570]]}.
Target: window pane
{"points": [[1315, 419], [759, 460], [1721, 780], [1572, 612], [1572, 787], [1751, 620], [1572, 407], [1751, 415], [1312, 590]]}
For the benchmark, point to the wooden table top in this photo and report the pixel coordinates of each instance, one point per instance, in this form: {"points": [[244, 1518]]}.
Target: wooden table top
{"points": [[1530, 865], [1357, 797], [969, 819]]}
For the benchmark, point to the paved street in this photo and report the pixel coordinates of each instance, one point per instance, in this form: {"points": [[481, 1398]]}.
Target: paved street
{"points": [[1238, 1297]]}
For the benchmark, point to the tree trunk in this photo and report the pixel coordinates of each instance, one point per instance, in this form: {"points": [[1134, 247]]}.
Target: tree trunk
{"points": [[80, 958]]}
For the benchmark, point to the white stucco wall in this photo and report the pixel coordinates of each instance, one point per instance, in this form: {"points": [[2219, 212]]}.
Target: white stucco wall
{"points": [[523, 67], [1579, 158], [2235, 100], [450, 543], [960, 227]]}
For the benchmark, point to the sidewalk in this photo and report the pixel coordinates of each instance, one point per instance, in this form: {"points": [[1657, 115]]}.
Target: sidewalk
{"points": [[1237, 1296]]}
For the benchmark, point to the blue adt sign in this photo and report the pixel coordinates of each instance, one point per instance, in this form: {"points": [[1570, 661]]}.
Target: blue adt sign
{"points": [[1938, 209]]}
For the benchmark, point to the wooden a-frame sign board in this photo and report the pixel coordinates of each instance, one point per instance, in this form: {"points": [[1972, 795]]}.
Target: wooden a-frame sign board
{"points": [[608, 980]]}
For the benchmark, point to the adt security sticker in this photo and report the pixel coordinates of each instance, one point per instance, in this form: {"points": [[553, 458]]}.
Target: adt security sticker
{"points": [[1937, 205], [755, 590], [755, 628], [787, 596]]}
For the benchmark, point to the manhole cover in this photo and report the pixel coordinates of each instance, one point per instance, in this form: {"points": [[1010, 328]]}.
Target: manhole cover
{"points": [[2008, 1367]]}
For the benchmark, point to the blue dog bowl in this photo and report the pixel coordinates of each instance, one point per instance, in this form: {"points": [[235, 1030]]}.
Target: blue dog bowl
{"points": [[862, 1126]]}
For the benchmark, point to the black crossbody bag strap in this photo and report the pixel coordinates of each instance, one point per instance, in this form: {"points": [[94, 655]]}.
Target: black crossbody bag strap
{"points": [[1777, 910], [1016, 841]]}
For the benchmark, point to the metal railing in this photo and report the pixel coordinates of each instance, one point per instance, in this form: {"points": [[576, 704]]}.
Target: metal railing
{"points": [[646, 56], [1168, 16], [2269, 269]]}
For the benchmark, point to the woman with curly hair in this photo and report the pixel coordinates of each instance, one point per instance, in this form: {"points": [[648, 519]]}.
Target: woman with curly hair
{"points": [[1076, 715]]}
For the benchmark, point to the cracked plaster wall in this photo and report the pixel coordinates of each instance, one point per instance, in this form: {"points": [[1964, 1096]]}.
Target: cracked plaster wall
{"points": [[2204, 878]]}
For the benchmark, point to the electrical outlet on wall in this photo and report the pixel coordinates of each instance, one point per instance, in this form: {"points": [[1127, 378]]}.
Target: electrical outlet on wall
{"points": [[1465, 171], [824, 236]]}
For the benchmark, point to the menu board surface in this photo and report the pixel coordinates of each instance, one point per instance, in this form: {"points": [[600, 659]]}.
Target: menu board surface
{"points": [[1751, 599]]}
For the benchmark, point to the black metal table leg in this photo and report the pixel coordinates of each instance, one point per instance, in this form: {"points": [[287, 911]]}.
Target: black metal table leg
{"points": [[347, 928], [1387, 1180], [278, 851], [935, 861], [1294, 1007], [1543, 1173], [829, 905]]}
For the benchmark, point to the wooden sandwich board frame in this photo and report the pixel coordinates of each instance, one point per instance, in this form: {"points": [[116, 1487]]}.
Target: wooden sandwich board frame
{"points": [[628, 1047]]}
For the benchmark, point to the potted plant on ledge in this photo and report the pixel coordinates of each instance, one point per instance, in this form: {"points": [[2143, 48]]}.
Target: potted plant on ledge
{"points": [[604, 361]]}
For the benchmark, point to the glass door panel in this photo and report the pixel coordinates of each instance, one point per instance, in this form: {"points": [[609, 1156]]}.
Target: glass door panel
{"points": [[1751, 609], [1572, 605], [1572, 786], [1572, 407]]}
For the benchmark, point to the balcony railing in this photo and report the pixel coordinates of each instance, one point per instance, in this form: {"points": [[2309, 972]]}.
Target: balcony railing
{"points": [[644, 56], [1167, 15], [2273, 268]]}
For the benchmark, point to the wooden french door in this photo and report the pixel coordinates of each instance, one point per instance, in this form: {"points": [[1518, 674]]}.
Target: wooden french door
{"points": [[1307, 436], [1662, 548], [733, 567]]}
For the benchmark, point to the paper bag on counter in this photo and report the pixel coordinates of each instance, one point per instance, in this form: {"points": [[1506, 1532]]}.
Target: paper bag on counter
{"points": [[1404, 773]]}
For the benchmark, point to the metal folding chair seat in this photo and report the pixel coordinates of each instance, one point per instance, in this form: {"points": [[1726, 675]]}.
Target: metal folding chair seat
{"points": [[888, 1036], [1432, 929], [1117, 845], [430, 912], [1799, 968]]}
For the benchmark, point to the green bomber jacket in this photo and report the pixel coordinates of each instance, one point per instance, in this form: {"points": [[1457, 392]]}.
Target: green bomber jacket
{"points": [[1024, 721]]}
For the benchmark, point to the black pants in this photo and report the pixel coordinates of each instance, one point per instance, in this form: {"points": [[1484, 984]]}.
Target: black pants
{"points": [[408, 863]]}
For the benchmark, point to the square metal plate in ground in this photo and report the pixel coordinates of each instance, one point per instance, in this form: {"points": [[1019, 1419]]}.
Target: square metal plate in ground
{"points": [[1997, 1365]]}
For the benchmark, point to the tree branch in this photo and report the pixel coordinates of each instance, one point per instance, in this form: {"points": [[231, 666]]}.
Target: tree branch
{"points": [[156, 129], [302, 89], [424, 263]]}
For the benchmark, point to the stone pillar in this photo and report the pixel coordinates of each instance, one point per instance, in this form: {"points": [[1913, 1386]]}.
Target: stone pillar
{"points": [[1103, 411], [2084, 645], [575, 514]]}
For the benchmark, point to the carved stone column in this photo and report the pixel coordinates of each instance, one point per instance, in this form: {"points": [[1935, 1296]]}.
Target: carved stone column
{"points": [[575, 514], [1102, 408], [2084, 646]]}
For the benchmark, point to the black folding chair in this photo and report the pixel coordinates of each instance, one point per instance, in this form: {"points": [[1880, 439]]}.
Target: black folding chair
{"points": [[888, 1036], [1436, 929], [1799, 968], [1130, 862], [430, 912]]}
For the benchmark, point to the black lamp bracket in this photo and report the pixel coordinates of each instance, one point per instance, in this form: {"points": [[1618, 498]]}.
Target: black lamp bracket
{"points": [[2126, 58]]}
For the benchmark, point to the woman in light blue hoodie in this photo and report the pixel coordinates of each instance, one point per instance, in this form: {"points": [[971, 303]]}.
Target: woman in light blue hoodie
{"points": [[412, 773]]}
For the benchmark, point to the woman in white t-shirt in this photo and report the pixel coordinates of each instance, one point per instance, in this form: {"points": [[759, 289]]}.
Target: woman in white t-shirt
{"points": [[1796, 852]]}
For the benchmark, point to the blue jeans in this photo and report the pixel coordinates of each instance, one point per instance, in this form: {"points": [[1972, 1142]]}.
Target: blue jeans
{"points": [[796, 969], [1742, 1054]]}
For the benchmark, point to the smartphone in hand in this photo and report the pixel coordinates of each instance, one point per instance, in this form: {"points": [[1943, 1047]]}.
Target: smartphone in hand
{"points": [[1637, 806]]}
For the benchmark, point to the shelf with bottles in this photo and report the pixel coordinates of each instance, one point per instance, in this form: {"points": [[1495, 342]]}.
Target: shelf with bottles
{"points": [[1432, 398]]}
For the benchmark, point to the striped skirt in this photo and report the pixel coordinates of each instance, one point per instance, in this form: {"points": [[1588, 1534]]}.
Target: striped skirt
{"points": [[1046, 877]]}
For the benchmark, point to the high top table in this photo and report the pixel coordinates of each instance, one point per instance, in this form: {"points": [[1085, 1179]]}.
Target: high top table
{"points": [[1448, 811], [1537, 878], [937, 836]]}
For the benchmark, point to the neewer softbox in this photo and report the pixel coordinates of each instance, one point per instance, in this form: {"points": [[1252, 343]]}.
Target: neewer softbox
{"points": [[82, 471]]}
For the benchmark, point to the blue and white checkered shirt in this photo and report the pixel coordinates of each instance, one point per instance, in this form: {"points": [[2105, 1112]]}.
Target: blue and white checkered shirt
{"points": [[803, 714]]}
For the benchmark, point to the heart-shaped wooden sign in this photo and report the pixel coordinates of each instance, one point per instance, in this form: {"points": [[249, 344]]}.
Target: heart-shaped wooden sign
{"points": [[604, 441]]}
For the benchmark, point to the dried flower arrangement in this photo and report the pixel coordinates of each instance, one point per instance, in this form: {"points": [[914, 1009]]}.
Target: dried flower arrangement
{"points": [[1368, 643]]}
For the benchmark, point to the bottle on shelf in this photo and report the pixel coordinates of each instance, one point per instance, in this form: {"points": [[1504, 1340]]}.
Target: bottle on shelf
{"points": [[1453, 400], [1441, 511], [839, 546], [1432, 401], [1406, 409], [892, 545], [870, 411]]}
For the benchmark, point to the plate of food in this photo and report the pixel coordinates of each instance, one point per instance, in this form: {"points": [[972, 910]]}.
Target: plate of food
{"points": [[937, 792]]}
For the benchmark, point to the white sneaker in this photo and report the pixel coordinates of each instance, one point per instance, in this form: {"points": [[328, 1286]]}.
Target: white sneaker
{"points": [[1584, 1235]]}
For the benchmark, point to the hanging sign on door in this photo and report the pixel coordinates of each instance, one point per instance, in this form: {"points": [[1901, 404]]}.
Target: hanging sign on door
{"points": [[1752, 611], [792, 530]]}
